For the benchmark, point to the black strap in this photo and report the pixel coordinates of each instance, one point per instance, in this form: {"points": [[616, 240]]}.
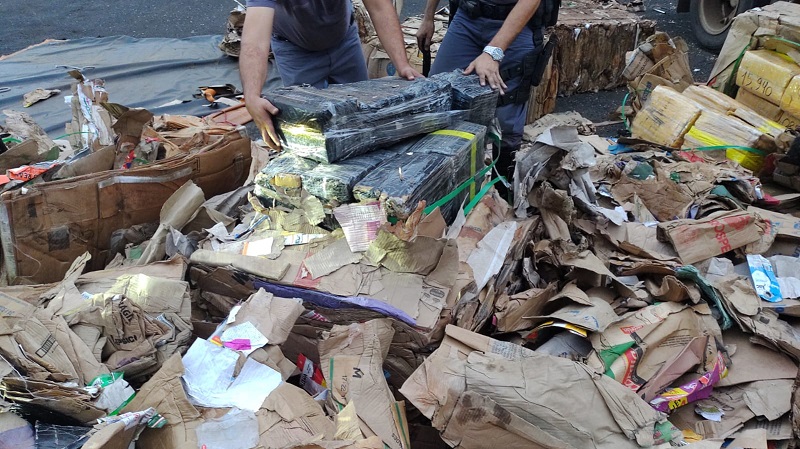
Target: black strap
{"points": [[530, 70]]}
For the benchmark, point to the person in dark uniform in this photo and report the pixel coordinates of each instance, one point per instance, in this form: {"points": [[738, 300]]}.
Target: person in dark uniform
{"points": [[493, 40]]}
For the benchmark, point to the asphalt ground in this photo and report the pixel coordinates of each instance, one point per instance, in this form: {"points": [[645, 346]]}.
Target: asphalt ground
{"points": [[27, 22]]}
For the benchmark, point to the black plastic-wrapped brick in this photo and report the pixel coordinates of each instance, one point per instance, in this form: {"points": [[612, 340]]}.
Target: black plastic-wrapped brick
{"points": [[333, 183], [346, 120], [284, 171], [429, 170], [469, 95]]}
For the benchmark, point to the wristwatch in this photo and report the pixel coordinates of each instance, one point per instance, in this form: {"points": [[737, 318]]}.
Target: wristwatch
{"points": [[495, 52]]}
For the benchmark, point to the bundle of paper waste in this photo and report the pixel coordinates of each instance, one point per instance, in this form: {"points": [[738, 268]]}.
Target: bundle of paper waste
{"points": [[231, 43], [120, 184]]}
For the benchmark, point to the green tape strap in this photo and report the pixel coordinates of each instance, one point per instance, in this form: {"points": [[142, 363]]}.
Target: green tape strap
{"points": [[481, 194], [470, 182], [473, 151]]}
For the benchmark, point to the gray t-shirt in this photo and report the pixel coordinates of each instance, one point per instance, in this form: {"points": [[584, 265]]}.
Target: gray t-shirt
{"points": [[314, 25]]}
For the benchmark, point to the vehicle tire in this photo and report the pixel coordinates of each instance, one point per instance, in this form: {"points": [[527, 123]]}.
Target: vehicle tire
{"points": [[711, 19]]}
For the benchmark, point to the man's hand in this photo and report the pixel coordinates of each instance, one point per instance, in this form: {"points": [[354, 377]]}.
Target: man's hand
{"points": [[408, 73], [488, 71], [262, 111], [425, 34]]}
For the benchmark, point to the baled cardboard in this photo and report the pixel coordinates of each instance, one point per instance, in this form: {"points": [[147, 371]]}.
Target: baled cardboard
{"points": [[40, 244]]}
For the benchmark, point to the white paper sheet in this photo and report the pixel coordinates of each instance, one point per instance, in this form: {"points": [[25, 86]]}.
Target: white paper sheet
{"points": [[209, 381]]}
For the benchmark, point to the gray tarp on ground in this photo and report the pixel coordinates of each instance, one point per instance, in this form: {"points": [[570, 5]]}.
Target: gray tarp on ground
{"points": [[144, 73]]}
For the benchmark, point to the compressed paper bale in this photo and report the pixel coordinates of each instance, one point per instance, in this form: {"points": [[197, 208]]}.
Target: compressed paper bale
{"points": [[711, 99], [284, 171], [333, 183], [665, 118], [766, 73], [346, 120], [469, 95], [758, 104], [593, 39]]}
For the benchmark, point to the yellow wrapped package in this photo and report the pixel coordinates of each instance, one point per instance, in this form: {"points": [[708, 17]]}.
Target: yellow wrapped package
{"points": [[766, 126], [766, 73], [712, 129], [788, 120], [711, 99], [758, 104], [790, 102], [665, 118]]}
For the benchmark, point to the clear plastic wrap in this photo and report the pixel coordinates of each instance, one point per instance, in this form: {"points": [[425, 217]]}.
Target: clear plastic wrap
{"points": [[711, 99], [429, 170], [284, 171], [666, 117], [333, 183], [766, 73], [469, 95], [346, 120]]}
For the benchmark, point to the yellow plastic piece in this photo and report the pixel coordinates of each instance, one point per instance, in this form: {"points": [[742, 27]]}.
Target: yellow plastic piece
{"points": [[758, 104], [766, 73], [788, 120], [712, 130], [287, 181], [665, 118], [762, 124], [790, 102]]}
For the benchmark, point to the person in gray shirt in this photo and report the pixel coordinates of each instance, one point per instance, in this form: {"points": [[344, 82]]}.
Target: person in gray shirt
{"points": [[315, 42]]}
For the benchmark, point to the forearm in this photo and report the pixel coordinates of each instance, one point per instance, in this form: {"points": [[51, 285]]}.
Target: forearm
{"points": [[255, 51], [252, 69], [387, 25], [517, 19], [430, 9]]}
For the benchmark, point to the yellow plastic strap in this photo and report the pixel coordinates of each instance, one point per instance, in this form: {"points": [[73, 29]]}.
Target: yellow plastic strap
{"points": [[705, 137], [473, 156], [770, 126]]}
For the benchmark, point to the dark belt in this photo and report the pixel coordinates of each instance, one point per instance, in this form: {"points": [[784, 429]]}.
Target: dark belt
{"points": [[478, 8]]}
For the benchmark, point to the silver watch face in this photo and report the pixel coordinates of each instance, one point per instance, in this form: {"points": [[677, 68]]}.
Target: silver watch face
{"points": [[495, 52]]}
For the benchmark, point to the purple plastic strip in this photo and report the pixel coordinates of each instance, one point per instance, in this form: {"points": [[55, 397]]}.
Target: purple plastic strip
{"points": [[331, 301]]}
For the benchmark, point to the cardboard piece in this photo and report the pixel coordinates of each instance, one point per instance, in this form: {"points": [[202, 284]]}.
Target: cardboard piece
{"points": [[289, 416], [352, 361], [177, 211], [71, 403], [40, 246], [634, 349], [164, 392], [749, 359], [696, 240], [258, 266], [509, 374], [272, 316]]}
